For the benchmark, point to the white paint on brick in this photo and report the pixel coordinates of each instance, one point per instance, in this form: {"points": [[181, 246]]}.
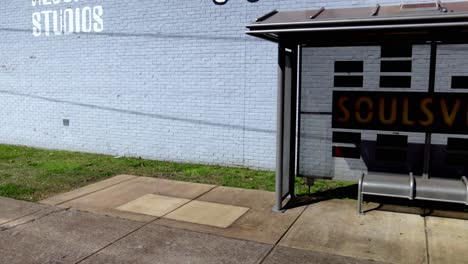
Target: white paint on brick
{"points": [[166, 80]]}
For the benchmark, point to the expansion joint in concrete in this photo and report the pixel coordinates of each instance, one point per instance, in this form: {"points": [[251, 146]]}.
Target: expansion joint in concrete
{"points": [[137, 229], [85, 194], [278, 241], [428, 259], [29, 218]]}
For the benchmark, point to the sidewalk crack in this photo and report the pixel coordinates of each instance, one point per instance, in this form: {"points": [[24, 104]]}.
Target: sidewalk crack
{"points": [[428, 259], [282, 236], [4, 228], [137, 229]]}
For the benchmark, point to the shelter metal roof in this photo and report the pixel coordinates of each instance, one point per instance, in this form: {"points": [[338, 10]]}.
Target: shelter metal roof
{"points": [[417, 20]]}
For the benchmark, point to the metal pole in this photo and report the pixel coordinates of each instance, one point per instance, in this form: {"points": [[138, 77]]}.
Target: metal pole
{"points": [[428, 141], [360, 195], [292, 122], [298, 111], [279, 130]]}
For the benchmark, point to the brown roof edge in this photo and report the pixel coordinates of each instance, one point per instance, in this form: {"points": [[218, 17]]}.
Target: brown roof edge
{"points": [[368, 15]]}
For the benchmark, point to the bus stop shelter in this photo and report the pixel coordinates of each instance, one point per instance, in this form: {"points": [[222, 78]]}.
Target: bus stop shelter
{"points": [[430, 24]]}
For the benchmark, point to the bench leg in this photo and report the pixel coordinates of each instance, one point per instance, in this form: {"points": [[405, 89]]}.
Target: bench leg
{"points": [[360, 204], [360, 195]]}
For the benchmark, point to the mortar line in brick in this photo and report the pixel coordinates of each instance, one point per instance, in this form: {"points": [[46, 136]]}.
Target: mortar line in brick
{"points": [[138, 113]]}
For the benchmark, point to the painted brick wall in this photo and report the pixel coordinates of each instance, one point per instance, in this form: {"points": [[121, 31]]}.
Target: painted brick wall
{"points": [[168, 80]]}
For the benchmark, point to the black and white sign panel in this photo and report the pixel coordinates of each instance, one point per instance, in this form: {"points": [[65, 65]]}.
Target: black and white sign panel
{"points": [[370, 109]]}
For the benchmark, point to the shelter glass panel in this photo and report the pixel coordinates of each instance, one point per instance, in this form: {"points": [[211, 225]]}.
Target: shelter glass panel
{"points": [[326, 151]]}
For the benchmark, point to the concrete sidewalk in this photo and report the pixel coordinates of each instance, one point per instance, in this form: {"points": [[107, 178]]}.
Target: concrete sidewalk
{"points": [[130, 219]]}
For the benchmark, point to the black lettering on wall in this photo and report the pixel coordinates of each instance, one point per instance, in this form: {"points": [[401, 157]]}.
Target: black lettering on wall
{"points": [[395, 81], [349, 81], [396, 66], [347, 137], [349, 66], [343, 67], [460, 82], [346, 152], [397, 51], [401, 111], [346, 145]]}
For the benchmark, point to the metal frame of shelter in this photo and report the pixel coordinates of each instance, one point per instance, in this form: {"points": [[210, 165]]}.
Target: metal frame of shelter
{"points": [[432, 24]]}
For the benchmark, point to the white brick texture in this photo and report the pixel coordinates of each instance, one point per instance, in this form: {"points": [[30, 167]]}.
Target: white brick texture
{"points": [[166, 80]]}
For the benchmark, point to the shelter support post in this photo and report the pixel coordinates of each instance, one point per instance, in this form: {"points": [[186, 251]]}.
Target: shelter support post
{"points": [[286, 123], [432, 78]]}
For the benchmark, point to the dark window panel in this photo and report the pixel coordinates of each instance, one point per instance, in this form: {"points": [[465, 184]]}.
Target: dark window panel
{"points": [[455, 159], [395, 81], [460, 82], [347, 137], [457, 144], [397, 51], [390, 155], [347, 152], [396, 66], [391, 148], [457, 151], [392, 141], [349, 66], [349, 81]]}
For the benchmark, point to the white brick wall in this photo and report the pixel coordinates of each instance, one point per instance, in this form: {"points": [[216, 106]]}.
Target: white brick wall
{"points": [[175, 80], [452, 60]]}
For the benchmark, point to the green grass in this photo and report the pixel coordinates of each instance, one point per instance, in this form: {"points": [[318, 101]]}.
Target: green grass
{"points": [[33, 174]]}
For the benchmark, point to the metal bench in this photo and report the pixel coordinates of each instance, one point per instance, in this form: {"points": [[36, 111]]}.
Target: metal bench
{"points": [[410, 187]]}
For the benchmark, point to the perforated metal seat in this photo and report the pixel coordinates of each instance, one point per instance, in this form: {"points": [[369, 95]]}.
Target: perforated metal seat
{"points": [[385, 184], [409, 187], [442, 190]]}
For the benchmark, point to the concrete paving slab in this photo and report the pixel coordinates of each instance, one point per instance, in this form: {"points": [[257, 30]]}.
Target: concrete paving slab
{"points": [[255, 199], [105, 201], [155, 205], [30, 218], [450, 214], [334, 227], [187, 190], [448, 240], [12, 209], [63, 237], [205, 213], [65, 197], [258, 224], [157, 245], [284, 255]]}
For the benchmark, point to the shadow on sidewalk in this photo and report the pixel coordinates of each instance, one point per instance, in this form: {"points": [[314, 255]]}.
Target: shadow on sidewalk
{"points": [[420, 207]]}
